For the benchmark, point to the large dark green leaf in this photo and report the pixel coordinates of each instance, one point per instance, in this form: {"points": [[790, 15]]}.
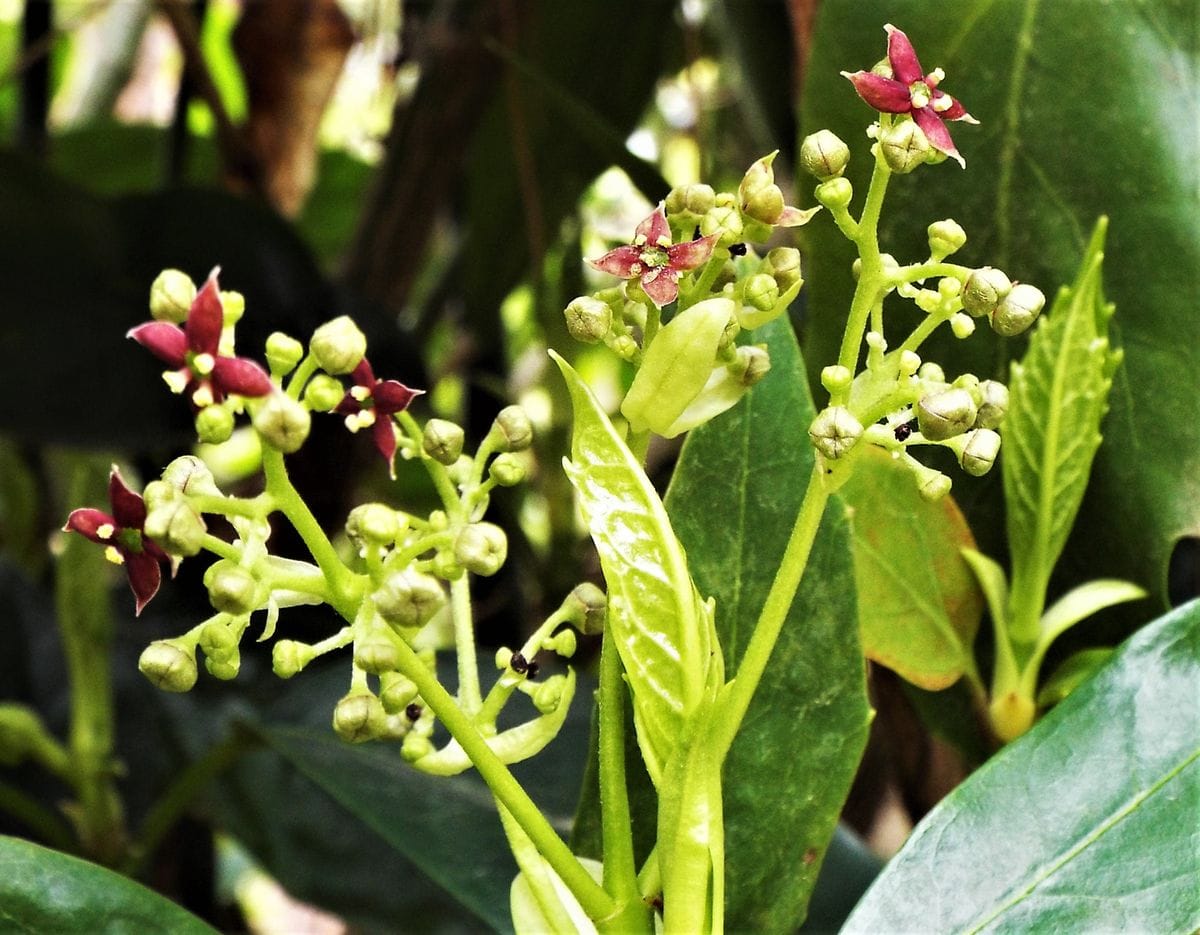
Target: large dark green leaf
{"points": [[46, 891], [1075, 122], [1087, 823], [733, 499]]}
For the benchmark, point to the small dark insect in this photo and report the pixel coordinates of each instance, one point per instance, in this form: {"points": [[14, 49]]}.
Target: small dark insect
{"points": [[696, 233], [532, 670], [413, 712], [518, 663], [655, 901], [737, 249], [902, 431]]}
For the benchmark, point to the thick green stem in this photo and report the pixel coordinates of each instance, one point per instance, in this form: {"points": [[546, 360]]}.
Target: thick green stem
{"points": [[470, 698]]}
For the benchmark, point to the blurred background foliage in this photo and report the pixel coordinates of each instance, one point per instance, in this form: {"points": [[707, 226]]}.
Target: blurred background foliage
{"points": [[438, 169]]}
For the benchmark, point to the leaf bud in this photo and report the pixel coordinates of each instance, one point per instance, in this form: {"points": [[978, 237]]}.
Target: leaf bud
{"points": [[507, 470], [945, 414], [834, 431], [724, 222], [176, 527], [288, 657], [983, 290], [188, 474], [836, 378], [979, 452], [587, 607], [214, 425], [408, 599], [442, 440], [824, 155], [905, 146], [765, 205], [481, 548], [338, 345], [835, 194], [945, 237], [169, 664], [1017, 310], [282, 422], [359, 716], [225, 669], [396, 692], [171, 296], [512, 430], [376, 654], [283, 353], [962, 325], [752, 362], [783, 265], [547, 696], [231, 589], [323, 393], [564, 642], [993, 404], [588, 319], [692, 200]]}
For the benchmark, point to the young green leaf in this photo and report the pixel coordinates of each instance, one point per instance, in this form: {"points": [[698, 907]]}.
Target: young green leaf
{"points": [[1058, 396], [1081, 602], [654, 613]]}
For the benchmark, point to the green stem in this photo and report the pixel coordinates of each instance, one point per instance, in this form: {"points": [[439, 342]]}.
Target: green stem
{"points": [[470, 698], [49, 826], [254, 508], [928, 325], [536, 873], [300, 376], [707, 277]]}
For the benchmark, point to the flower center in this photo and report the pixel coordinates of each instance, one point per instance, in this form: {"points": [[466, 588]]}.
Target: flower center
{"points": [[653, 258], [130, 540], [920, 94]]}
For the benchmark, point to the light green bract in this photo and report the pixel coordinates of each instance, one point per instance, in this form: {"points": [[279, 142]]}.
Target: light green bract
{"points": [[661, 628]]}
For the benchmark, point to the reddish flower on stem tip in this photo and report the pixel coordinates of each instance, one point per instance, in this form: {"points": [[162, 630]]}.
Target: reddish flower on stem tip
{"points": [[654, 260], [372, 402], [910, 91], [193, 350], [121, 533]]}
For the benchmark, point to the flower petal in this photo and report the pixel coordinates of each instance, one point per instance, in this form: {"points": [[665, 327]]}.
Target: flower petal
{"points": [[939, 137], [622, 262], [884, 94], [661, 285], [691, 253], [385, 441], [127, 506], [205, 318], [955, 110], [795, 217], [363, 375], [144, 577], [902, 57], [241, 376], [392, 396], [87, 521], [165, 341], [655, 230]]}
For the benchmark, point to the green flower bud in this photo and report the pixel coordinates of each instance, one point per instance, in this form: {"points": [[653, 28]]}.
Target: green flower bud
{"points": [[481, 548], [588, 319], [962, 325], [376, 654], [442, 440], [408, 599], [414, 747], [761, 292], [338, 345], [233, 307], [169, 664], [323, 393], [396, 693], [283, 353], [282, 422], [547, 696], [765, 205], [835, 194], [945, 237], [946, 414], [359, 717], [587, 607], [757, 178], [933, 485], [783, 265], [624, 347], [824, 155], [177, 528], [503, 658], [288, 657], [214, 425], [506, 470], [909, 363], [979, 453], [984, 289], [1018, 310], [932, 372], [224, 669], [993, 404], [693, 200], [752, 362], [231, 589], [834, 431], [564, 642], [373, 524], [905, 146], [724, 222], [171, 296], [836, 378], [189, 475], [512, 430]]}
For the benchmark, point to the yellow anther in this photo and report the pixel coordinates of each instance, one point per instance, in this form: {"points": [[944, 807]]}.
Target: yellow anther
{"points": [[203, 364], [114, 556], [106, 531]]}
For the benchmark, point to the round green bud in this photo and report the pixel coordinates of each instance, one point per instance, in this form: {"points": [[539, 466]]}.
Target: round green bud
{"points": [[723, 222], [507, 470], [983, 290], [948, 287], [993, 404], [177, 528], [376, 654], [414, 747], [225, 669], [729, 335], [759, 176], [338, 345], [587, 608], [1018, 310], [752, 362], [171, 296], [190, 475], [836, 378], [214, 425], [503, 658], [933, 485], [824, 155], [909, 363], [512, 430], [783, 265], [588, 319], [980, 451], [169, 664], [945, 237], [233, 307], [323, 393], [564, 642], [834, 431], [761, 292], [408, 599], [373, 524], [905, 146], [547, 696], [624, 346], [396, 693], [835, 194], [359, 717], [962, 325], [932, 372], [282, 422], [946, 414], [442, 440], [690, 199], [288, 657], [765, 205], [481, 548], [231, 589], [283, 353]]}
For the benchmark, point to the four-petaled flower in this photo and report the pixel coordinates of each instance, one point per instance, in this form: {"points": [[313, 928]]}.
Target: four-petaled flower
{"points": [[654, 260], [372, 402], [122, 534], [910, 91], [194, 351]]}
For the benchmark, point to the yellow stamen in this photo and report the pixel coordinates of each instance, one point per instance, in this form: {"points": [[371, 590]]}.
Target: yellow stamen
{"points": [[203, 364], [106, 531], [114, 556], [203, 397], [176, 380], [361, 393]]}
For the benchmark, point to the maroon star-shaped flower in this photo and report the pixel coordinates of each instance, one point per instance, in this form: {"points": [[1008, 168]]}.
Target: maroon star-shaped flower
{"points": [[122, 535], [910, 91], [372, 402], [654, 260], [206, 375]]}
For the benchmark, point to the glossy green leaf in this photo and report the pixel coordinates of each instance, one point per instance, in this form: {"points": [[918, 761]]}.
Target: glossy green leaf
{"points": [[1085, 824], [734, 496], [1074, 671], [654, 613], [47, 891], [919, 606], [1074, 122]]}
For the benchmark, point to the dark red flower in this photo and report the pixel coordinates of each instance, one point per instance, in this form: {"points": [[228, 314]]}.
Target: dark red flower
{"points": [[910, 91], [372, 402], [122, 535], [201, 370], [654, 260]]}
